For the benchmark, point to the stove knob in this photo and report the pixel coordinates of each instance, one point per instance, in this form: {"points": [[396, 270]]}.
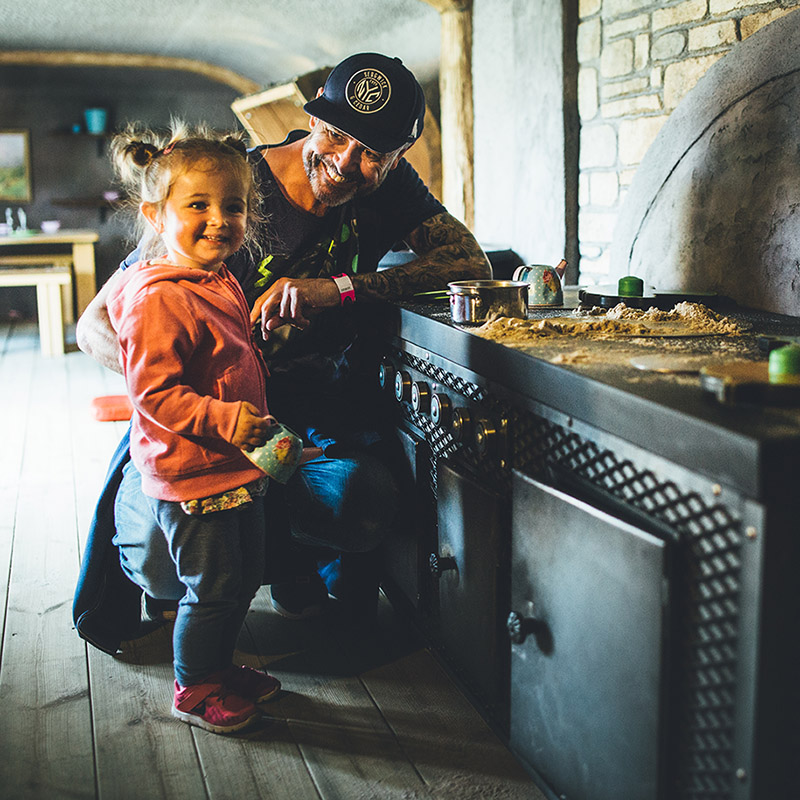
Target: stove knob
{"points": [[402, 386], [439, 564], [386, 375], [461, 424], [420, 397], [441, 410], [486, 436]]}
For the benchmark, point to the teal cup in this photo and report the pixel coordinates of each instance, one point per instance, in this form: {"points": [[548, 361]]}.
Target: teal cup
{"points": [[280, 455], [95, 119]]}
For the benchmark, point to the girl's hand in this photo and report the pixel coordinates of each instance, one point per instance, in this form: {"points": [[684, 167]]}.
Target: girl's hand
{"points": [[251, 428]]}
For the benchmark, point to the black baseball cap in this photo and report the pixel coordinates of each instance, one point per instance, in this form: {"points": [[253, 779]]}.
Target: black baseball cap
{"points": [[374, 99]]}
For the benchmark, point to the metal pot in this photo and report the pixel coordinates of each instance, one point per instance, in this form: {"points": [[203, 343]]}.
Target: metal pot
{"points": [[473, 302]]}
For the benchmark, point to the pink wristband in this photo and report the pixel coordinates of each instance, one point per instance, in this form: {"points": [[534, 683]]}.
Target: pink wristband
{"points": [[347, 293]]}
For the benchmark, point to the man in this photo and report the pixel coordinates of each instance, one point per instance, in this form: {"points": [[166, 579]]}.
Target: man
{"points": [[337, 200]]}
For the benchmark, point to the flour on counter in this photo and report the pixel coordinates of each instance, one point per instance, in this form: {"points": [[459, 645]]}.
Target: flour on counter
{"points": [[575, 357], [697, 318], [684, 319]]}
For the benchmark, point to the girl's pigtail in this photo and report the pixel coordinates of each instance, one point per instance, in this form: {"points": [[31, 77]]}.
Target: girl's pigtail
{"points": [[236, 143], [142, 153]]}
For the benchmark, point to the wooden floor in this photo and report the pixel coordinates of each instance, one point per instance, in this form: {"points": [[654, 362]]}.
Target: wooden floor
{"points": [[361, 716]]}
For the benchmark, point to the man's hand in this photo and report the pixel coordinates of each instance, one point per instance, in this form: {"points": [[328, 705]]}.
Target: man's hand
{"points": [[291, 301], [251, 428]]}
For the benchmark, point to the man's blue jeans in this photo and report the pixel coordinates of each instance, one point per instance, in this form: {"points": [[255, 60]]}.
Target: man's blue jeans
{"points": [[343, 504]]}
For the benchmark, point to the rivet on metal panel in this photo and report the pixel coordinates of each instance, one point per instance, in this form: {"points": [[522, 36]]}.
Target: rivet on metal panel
{"points": [[716, 490], [751, 532]]}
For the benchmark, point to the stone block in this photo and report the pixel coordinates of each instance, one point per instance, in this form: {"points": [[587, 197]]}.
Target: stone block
{"points": [[588, 7], [717, 34], [603, 188], [668, 46], [589, 39], [636, 136], [679, 78], [625, 26], [631, 86], [612, 9], [656, 77], [641, 51], [641, 104], [596, 226], [617, 59], [749, 25], [717, 7], [587, 93], [583, 189], [688, 11], [598, 146]]}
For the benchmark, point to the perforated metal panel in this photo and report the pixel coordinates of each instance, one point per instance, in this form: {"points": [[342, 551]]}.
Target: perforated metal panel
{"points": [[708, 537]]}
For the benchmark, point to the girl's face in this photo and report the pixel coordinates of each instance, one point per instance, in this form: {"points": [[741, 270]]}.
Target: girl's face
{"points": [[203, 219]]}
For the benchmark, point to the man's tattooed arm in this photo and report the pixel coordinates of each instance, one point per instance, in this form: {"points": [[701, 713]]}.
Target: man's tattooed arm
{"points": [[446, 251]]}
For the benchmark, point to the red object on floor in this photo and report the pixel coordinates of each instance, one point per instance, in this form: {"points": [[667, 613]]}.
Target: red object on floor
{"points": [[111, 407]]}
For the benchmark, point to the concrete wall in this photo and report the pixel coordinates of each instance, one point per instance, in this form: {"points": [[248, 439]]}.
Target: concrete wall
{"points": [[525, 182], [47, 101], [638, 59]]}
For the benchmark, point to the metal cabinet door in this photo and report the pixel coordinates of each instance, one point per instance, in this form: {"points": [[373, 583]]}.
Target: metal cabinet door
{"points": [[589, 592], [406, 549], [473, 546]]}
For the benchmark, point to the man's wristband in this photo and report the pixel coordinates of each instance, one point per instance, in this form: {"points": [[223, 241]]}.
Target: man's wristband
{"points": [[347, 293]]}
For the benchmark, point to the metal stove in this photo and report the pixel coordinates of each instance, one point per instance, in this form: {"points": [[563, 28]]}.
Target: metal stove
{"points": [[605, 559]]}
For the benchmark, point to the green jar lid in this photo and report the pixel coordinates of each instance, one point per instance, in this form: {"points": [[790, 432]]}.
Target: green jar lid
{"points": [[784, 364], [630, 286]]}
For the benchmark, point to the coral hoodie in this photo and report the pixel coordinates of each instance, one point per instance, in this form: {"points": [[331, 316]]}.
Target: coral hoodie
{"points": [[189, 360]]}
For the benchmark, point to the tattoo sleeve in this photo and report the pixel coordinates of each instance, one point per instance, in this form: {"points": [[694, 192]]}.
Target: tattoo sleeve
{"points": [[446, 251]]}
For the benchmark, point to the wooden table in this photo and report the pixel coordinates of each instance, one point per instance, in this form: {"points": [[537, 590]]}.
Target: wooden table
{"points": [[34, 248]]}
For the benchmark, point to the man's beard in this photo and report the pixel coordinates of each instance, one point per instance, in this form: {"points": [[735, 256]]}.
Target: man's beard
{"points": [[325, 192]]}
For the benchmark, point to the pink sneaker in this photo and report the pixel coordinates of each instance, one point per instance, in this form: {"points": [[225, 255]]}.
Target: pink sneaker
{"points": [[254, 684], [212, 707]]}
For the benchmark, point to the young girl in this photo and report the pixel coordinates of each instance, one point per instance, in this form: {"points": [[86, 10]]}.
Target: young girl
{"points": [[196, 381]]}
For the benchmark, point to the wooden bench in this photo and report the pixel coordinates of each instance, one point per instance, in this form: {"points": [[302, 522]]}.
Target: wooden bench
{"points": [[33, 260], [48, 281]]}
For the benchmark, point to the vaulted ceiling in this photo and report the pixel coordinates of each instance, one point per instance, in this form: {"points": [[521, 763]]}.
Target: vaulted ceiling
{"points": [[249, 44]]}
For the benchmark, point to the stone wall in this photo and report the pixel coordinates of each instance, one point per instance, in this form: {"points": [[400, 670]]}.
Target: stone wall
{"points": [[637, 59]]}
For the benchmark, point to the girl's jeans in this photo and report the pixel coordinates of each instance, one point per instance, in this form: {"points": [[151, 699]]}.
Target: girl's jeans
{"points": [[218, 559]]}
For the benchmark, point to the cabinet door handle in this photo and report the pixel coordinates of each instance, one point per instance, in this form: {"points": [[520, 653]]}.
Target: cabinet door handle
{"points": [[520, 627]]}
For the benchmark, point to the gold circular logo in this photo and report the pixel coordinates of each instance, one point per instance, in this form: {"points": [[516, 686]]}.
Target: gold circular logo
{"points": [[368, 91]]}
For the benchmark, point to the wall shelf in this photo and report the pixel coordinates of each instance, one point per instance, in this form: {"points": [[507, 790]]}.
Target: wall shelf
{"points": [[100, 203]]}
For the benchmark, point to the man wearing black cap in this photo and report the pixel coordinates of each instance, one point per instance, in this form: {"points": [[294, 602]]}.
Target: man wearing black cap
{"points": [[337, 200]]}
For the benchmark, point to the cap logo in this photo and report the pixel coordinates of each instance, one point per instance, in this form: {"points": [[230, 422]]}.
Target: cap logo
{"points": [[368, 91]]}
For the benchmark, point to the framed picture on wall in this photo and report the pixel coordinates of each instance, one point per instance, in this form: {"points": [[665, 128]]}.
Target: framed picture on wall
{"points": [[15, 167]]}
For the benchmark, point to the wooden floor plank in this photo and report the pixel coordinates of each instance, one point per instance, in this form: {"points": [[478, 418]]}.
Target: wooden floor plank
{"points": [[142, 751], [46, 748], [344, 741]]}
